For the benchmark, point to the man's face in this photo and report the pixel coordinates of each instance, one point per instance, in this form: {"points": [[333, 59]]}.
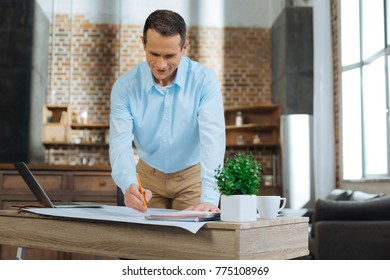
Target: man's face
{"points": [[163, 56]]}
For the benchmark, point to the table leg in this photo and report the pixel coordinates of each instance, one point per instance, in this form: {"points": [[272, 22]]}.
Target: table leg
{"points": [[21, 253]]}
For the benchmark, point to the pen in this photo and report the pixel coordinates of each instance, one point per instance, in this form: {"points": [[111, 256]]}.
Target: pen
{"points": [[141, 190]]}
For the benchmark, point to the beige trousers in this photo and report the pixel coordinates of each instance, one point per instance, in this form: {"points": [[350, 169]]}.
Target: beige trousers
{"points": [[177, 190]]}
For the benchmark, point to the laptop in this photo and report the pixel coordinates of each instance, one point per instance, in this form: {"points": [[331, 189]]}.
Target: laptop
{"points": [[40, 194]]}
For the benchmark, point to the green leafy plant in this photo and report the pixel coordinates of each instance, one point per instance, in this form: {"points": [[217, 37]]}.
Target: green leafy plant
{"points": [[241, 175]]}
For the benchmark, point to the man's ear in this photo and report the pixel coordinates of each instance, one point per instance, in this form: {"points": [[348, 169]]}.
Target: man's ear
{"points": [[143, 41], [185, 47]]}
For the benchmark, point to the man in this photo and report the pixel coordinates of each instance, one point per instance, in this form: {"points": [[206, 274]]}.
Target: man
{"points": [[171, 107]]}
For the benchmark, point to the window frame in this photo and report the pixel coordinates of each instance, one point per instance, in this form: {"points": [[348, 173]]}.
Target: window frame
{"points": [[385, 53]]}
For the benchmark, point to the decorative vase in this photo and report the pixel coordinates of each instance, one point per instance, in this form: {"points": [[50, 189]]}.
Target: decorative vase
{"points": [[239, 208]]}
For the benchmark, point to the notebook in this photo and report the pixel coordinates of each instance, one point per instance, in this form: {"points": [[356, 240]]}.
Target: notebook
{"points": [[40, 194], [185, 216]]}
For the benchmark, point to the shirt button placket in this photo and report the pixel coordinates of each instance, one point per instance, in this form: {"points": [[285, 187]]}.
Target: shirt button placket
{"points": [[166, 130]]}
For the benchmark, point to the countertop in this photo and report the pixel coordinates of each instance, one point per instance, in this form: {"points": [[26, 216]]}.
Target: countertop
{"points": [[55, 167]]}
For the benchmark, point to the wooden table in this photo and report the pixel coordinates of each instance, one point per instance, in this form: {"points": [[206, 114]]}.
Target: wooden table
{"points": [[283, 238]]}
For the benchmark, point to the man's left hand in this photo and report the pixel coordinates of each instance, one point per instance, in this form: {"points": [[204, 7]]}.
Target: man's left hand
{"points": [[205, 206]]}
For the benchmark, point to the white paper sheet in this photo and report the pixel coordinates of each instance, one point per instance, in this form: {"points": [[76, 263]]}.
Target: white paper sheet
{"points": [[116, 214]]}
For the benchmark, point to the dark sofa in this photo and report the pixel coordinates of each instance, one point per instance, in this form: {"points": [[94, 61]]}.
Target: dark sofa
{"points": [[351, 225]]}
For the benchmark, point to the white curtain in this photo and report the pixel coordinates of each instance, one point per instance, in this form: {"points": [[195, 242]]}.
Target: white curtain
{"points": [[323, 108]]}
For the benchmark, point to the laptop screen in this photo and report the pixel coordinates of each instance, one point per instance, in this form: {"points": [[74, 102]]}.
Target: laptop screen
{"points": [[33, 184]]}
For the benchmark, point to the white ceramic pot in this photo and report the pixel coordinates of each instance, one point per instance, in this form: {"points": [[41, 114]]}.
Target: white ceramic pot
{"points": [[239, 208]]}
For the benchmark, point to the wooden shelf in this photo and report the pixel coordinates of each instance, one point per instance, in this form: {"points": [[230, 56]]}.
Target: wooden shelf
{"points": [[253, 126], [260, 120], [66, 144], [59, 132], [250, 145], [264, 108], [56, 107], [89, 126]]}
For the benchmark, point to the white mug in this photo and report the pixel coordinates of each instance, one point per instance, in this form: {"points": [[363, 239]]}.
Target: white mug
{"points": [[269, 206]]}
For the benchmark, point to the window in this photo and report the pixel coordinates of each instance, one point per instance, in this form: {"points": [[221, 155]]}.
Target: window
{"points": [[365, 55]]}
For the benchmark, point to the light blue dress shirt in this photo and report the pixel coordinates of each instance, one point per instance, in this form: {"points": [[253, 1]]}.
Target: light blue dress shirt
{"points": [[171, 129]]}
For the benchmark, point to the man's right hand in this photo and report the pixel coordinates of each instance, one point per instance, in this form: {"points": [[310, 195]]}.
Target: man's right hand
{"points": [[134, 199]]}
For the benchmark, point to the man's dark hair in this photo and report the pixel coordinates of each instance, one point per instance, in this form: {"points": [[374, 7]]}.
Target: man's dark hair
{"points": [[166, 23]]}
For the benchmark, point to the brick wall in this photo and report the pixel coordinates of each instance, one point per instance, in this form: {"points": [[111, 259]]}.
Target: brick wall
{"points": [[87, 58], [84, 64]]}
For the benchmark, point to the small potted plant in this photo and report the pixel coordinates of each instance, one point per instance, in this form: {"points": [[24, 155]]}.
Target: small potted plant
{"points": [[238, 182]]}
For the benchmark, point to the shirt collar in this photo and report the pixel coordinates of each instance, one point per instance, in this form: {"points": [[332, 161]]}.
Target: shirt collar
{"points": [[149, 81], [181, 70]]}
